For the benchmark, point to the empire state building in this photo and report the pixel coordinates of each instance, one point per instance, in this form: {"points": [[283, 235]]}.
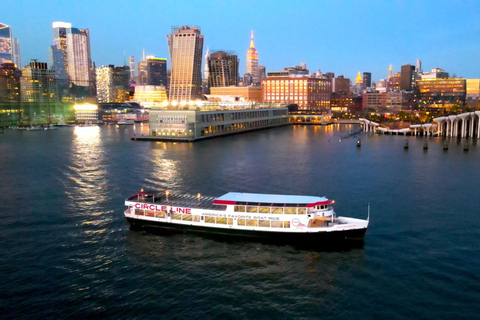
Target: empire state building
{"points": [[252, 61]]}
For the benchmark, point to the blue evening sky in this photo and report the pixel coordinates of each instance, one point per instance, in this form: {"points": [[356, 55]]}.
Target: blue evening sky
{"points": [[334, 36]]}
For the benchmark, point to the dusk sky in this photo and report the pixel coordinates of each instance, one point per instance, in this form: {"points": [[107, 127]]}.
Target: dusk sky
{"points": [[343, 37]]}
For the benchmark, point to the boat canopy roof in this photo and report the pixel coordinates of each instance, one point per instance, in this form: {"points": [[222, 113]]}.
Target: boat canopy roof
{"points": [[270, 200]]}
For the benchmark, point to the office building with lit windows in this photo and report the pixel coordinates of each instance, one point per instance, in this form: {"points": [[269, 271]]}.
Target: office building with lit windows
{"points": [[186, 48], [79, 58], [441, 93], [308, 93], [38, 83], [6, 44], [112, 84], [150, 96]]}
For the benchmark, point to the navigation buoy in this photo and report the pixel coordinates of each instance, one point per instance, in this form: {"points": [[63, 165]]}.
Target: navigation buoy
{"points": [[425, 145], [359, 143], [405, 146], [445, 146], [465, 147]]}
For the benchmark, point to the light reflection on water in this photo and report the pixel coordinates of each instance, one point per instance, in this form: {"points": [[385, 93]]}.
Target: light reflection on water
{"points": [[88, 177]]}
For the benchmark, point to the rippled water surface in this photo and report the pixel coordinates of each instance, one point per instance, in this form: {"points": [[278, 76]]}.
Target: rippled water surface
{"points": [[66, 250]]}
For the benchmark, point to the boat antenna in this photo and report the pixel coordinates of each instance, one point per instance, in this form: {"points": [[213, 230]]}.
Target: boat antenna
{"points": [[368, 212]]}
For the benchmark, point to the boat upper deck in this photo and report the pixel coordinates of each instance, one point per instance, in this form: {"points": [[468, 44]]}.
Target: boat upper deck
{"points": [[271, 200], [177, 200]]}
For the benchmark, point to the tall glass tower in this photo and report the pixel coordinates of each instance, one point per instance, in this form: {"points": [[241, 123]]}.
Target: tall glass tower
{"points": [[6, 52], [186, 46]]}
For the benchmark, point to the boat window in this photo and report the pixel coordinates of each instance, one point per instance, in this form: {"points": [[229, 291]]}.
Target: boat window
{"points": [[252, 222], [187, 217], [286, 224], [291, 205], [264, 210], [221, 220], [277, 210], [241, 222], [302, 210], [264, 223], [290, 210], [252, 209], [239, 208], [210, 219], [277, 224], [230, 221]]}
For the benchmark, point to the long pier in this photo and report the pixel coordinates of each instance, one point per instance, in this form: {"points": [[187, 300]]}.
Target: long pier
{"points": [[464, 125]]}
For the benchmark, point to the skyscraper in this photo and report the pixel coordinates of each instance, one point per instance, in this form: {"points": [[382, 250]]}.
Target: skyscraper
{"points": [[407, 77], [71, 55], [252, 61], [112, 83], [156, 71], [6, 52], [185, 45], [367, 79], [78, 56], [132, 67], [16, 53], [222, 69]]}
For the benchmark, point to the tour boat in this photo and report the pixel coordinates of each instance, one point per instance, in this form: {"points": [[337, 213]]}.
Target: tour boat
{"points": [[289, 218]]}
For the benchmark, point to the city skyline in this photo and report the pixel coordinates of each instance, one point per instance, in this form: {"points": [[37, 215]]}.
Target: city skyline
{"points": [[341, 37]]}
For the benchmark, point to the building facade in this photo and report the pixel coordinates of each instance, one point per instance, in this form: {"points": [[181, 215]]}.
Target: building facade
{"points": [[222, 69], [185, 45], [150, 96], [157, 72], [407, 77], [367, 80], [206, 122], [247, 94], [374, 100], [307, 92]]}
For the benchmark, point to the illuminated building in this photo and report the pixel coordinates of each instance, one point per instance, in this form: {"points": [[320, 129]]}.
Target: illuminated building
{"points": [[359, 79], [441, 93], [38, 84], [70, 55], [393, 82], [150, 96], [79, 60], [250, 93], [9, 83], [341, 85], [374, 100], [207, 120], [306, 92], [185, 45], [86, 113], [157, 71], [473, 89], [112, 83], [367, 80], [222, 69], [407, 77], [252, 62], [6, 51]]}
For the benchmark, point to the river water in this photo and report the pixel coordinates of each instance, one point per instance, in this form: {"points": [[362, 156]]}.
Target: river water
{"points": [[66, 250]]}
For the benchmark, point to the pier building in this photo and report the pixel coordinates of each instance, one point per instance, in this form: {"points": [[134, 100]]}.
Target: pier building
{"points": [[202, 120]]}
